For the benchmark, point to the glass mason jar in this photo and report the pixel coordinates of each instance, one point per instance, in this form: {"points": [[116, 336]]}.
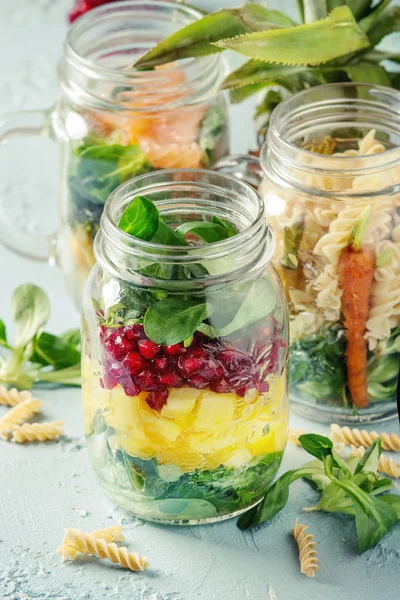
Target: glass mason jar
{"points": [[193, 431], [331, 189], [114, 123]]}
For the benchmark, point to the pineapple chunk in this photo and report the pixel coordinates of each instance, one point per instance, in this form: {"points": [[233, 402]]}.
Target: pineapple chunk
{"points": [[239, 458], [157, 427], [215, 410], [180, 402], [124, 413], [136, 443], [267, 437]]}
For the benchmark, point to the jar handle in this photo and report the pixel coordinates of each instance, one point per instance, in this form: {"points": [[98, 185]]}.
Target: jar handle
{"points": [[21, 125], [245, 167]]}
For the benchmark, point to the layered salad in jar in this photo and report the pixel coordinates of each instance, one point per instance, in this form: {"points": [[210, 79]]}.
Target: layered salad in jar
{"points": [[339, 260], [185, 397], [117, 145]]}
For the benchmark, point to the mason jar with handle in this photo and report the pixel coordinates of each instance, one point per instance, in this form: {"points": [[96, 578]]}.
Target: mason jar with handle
{"points": [[331, 187], [113, 122], [185, 349]]}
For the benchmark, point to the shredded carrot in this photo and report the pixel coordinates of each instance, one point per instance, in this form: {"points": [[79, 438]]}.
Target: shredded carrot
{"points": [[356, 271]]}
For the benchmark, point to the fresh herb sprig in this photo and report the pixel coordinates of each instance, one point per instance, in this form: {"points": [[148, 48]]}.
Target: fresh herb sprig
{"points": [[351, 486], [37, 356]]}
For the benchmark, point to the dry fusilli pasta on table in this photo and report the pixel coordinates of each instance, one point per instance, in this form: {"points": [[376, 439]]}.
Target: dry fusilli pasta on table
{"points": [[37, 432], [113, 533], [13, 396], [18, 414], [307, 552], [87, 543], [357, 437]]}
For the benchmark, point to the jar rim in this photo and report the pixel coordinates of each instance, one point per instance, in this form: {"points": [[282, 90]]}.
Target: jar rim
{"points": [[207, 71], [255, 240]]}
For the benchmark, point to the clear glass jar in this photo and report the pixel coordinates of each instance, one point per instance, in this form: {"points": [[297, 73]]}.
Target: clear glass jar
{"points": [[190, 432], [331, 152], [114, 123]]}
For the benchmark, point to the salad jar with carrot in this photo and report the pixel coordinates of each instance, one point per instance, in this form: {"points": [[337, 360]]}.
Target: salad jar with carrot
{"points": [[115, 122], [185, 345], [332, 196]]}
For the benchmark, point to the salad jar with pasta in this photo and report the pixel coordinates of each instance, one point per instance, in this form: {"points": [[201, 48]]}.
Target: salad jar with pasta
{"points": [[332, 197], [185, 348], [114, 122]]}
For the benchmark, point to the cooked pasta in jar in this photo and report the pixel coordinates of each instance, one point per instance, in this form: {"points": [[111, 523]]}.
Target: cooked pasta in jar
{"points": [[332, 196]]}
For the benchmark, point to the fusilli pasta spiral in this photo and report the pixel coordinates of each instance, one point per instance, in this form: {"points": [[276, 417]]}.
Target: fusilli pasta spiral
{"points": [[307, 553], [357, 437], [36, 432], [17, 415], [113, 533], [386, 464], [86, 543], [13, 396]]}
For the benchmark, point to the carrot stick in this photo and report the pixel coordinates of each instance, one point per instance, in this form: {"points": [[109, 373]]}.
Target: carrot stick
{"points": [[356, 271]]}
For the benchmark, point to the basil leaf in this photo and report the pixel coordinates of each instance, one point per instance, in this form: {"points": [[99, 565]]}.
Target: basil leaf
{"points": [[259, 302], [317, 445], [30, 310], [140, 219], [374, 518], [3, 334], [209, 232], [52, 350], [171, 321]]}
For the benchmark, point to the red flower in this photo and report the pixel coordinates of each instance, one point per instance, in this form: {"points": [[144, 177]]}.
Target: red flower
{"points": [[82, 6]]}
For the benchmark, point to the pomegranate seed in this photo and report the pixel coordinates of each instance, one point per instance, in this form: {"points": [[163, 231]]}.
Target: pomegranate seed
{"points": [[198, 382], [161, 363], [133, 362], [189, 364], [175, 349], [117, 371], [157, 398], [134, 332], [146, 380], [171, 379], [148, 349], [221, 386]]}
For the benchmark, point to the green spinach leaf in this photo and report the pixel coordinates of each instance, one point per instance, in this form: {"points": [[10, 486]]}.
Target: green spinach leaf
{"points": [[30, 309], [259, 303], [230, 229], [3, 334], [171, 321], [207, 231], [317, 445], [72, 337], [140, 219]]}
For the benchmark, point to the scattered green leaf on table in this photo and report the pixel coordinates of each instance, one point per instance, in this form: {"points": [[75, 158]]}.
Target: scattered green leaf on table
{"points": [[30, 310]]}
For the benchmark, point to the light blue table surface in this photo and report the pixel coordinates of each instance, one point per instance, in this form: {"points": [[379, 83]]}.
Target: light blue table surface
{"points": [[46, 488]]}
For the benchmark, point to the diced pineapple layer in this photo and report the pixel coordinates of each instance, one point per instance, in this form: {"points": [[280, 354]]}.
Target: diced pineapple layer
{"points": [[198, 429]]}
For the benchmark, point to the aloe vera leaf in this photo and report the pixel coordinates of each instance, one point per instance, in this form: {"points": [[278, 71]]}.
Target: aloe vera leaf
{"points": [[257, 71], [311, 44], [314, 10], [387, 22], [377, 56], [300, 6], [196, 38]]}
